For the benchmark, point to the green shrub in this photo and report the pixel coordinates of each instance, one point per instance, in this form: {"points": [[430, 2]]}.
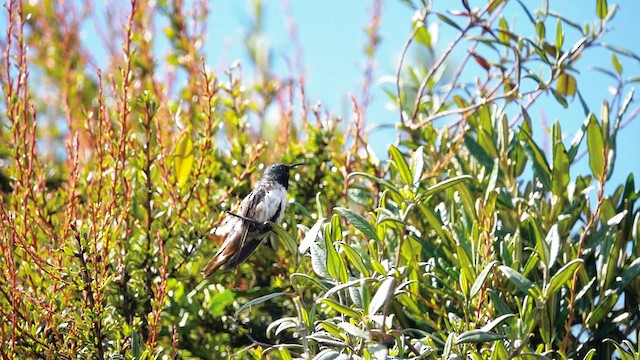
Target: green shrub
{"points": [[468, 242]]}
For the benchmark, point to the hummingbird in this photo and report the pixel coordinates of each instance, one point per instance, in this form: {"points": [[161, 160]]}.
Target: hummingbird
{"points": [[247, 228]]}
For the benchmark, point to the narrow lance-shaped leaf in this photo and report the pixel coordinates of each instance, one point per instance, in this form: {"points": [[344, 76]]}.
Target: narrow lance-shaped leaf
{"points": [[353, 330], [595, 145], [562, 276], [522, 283], [359, 222], [341, 308], [417, 165], [401, 164], [553, 242], [443, 185], [616, 64], [559, 35], [477, 337], [602, 8], [538, 160], [183, 157], [311, 236], [356, 259], [477, 284], [335, 263], [560, 174], [382, 295], [603, 308]]}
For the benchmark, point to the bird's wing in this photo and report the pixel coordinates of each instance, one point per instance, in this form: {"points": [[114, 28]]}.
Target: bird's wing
{"points": [[234, 244]]}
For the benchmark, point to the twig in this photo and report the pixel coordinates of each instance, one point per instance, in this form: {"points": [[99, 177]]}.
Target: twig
{"points": [[474, 19], [403, 54], [245, 218]]}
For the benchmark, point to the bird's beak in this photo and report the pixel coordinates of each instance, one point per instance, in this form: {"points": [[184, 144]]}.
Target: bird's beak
{"points": [[295, 164]]}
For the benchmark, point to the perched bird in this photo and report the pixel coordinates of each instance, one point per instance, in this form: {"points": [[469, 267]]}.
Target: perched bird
{"points": [[247, 228]]}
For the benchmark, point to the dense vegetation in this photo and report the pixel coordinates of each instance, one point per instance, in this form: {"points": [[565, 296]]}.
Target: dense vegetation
{"points": [[470, 241]]}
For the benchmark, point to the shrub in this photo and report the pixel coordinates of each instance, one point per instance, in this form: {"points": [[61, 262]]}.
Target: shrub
{"points": [[470, 241]]}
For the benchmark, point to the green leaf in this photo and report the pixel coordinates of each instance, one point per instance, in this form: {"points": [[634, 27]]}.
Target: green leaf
{"points": [[560, 175], [355, 259], [353, 330], [623, 353], [541, 30], [477, 337], [401, 165], [285, 237], [448, 21], [183, 157], [384, 293], [493, 323], [335, 263], [311, 236], [443, 185], [359, 222], [522, 283], [563, 275], [319, 260], [595, 145], [341, 308], [477, 151], [559, 35], [477, 284], [566, 85], [602, 309], [260, 300], [590, 354], [559, 97], [538, 160], [411, 249], [493, 5], [616, 64], [630, 274], [503, 31], [136, 346], [553, 242], [602, 9], [417, 165]]}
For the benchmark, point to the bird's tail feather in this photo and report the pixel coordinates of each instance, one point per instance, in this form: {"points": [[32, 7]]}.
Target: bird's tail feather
{"points": [[227, 252]]}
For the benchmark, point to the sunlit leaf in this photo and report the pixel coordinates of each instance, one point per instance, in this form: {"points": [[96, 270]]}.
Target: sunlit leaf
{"points": [[566, 84], [384, 293], [563, 275], [183, 157], [311, 236], [353, 330], [341, 308], [477, 337], [477, 284], [401, 165], [616, 64], [595, 145], [359, 222], [522, 283], [602, 9]]}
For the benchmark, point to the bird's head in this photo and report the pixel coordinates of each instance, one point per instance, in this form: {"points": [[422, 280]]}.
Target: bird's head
{"points": [[279, 173]]}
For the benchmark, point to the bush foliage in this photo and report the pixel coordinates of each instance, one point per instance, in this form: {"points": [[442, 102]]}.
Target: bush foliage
{"points": [[466, 240]]}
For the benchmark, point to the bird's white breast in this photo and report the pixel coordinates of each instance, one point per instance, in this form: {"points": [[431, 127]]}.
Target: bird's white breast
{"points": [[274, 200]]}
